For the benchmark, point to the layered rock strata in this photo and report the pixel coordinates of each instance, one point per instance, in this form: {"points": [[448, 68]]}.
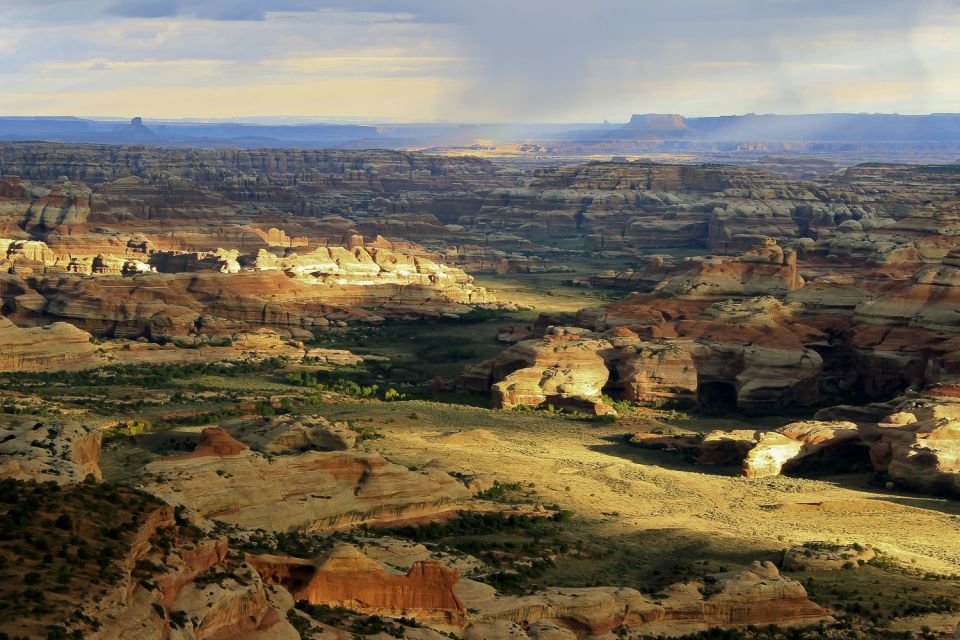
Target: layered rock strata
{"points": [[312, 491], [348, 578]]}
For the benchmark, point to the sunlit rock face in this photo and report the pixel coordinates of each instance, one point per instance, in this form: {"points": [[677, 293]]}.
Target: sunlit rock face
{"points": [[167, 293], [914, 443], [762, 454], [313, 491], [348, 578]]}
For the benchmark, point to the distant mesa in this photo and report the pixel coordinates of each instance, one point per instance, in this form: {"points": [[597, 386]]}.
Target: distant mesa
{"points": [[873, 134], [939, 128], [658, 123]]}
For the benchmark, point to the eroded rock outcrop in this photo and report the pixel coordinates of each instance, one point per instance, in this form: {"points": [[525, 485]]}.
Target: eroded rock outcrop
{"points": [[430, 591], [733, 355], [286, 434], [758, 595], [57, 450], [916, 445], [312, 491], [348, 578], [56, 346], [765, 269], [565, 370], [769, 453]]}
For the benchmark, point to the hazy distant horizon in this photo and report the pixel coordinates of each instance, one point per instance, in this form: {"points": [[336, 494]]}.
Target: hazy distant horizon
{"points": [[280, 120]]}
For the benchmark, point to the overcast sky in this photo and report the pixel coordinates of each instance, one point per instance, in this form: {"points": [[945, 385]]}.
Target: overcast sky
{"points": [[476, 60]]}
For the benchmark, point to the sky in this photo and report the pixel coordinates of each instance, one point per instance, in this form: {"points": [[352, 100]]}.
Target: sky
{"points": [[476, 60]]}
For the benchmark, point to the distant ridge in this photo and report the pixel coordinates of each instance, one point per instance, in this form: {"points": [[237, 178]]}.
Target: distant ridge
{"points": [[817, 127], [183, 134], [859, 135]]}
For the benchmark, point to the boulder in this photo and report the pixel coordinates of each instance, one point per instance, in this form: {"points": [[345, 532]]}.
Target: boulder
{"points": [[923, 455]]}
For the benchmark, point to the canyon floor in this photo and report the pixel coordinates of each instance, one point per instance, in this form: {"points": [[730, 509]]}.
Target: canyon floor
{"points": [[390, 394], [646, 516]]}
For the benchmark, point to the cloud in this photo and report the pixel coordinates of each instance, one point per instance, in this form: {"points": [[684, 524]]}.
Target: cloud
{"points": [[145, 9], [492, 60]]}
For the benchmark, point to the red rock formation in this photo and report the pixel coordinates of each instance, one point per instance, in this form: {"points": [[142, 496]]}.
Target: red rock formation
{"points": [[218, 443], [347, 578]]}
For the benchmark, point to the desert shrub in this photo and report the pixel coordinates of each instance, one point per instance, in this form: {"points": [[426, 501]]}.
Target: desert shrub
{"points": [[393, 395], [366, 432], [478, 314], [358, 624], [500, 491], [336, 384], [178, 618]]}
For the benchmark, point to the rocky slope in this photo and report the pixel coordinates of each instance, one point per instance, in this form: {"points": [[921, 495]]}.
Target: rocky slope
{"points": [[131, 567]]}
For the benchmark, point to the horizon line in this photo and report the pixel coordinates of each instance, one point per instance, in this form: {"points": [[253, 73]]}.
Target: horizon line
{"points": [[368, 121]]}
